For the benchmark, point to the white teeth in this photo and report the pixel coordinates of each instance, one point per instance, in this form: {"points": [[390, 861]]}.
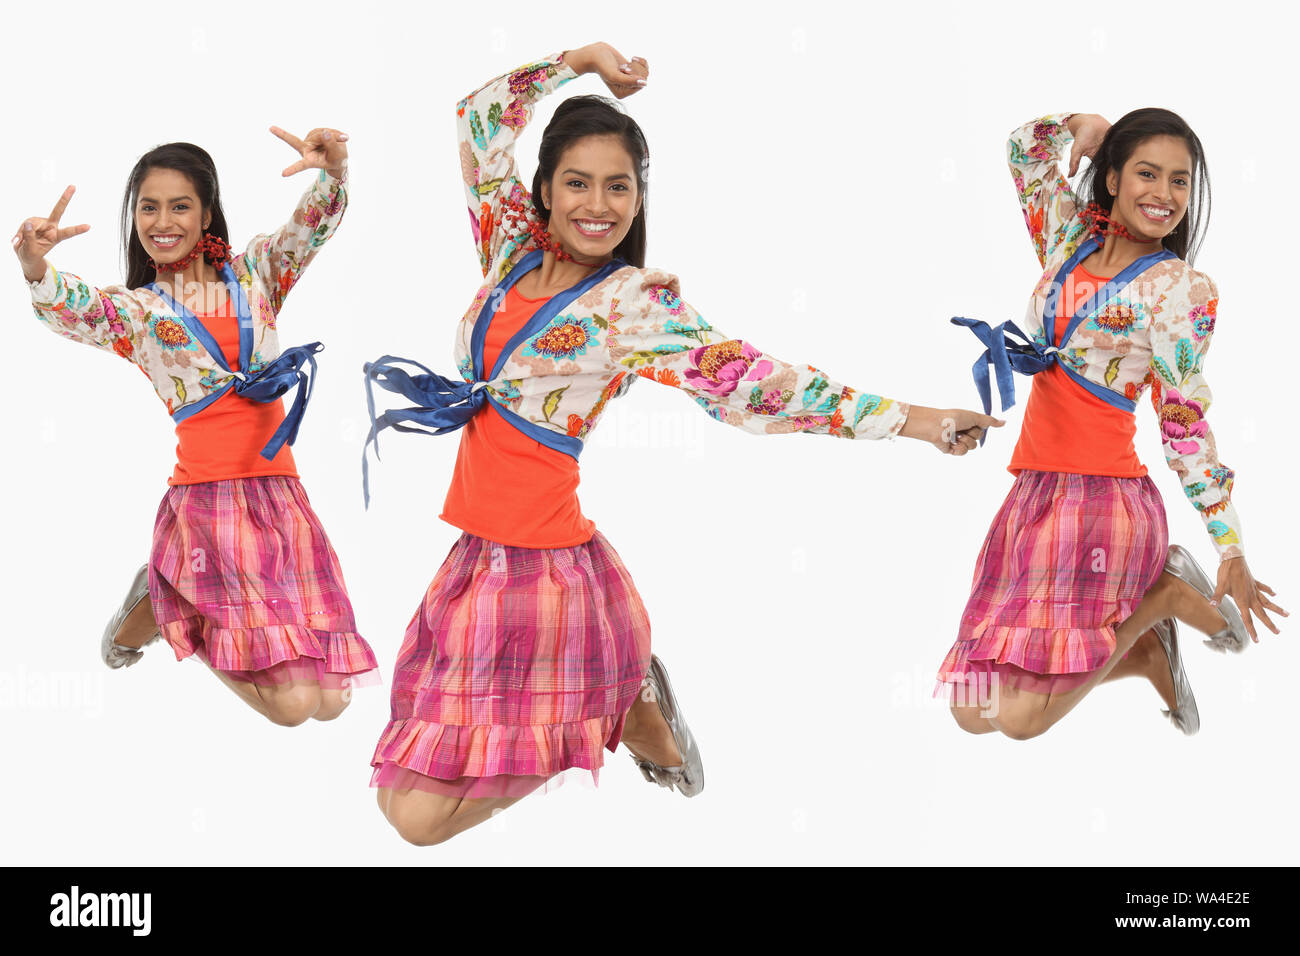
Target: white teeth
{"points": [[166, 240], [1156, 212], [593, 227]]}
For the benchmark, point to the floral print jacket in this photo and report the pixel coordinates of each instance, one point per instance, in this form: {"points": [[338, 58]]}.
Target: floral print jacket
{"points": [[1153, 334], [139, 325], [632, 324]]}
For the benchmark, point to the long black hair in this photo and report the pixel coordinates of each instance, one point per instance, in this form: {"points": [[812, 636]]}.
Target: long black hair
{"points": [[592, 115], [1117, 147], [190, 160]]}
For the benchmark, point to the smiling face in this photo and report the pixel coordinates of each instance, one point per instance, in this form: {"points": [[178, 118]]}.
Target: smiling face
{"points": [[593, 197], [168, 217], [1152, 192]]}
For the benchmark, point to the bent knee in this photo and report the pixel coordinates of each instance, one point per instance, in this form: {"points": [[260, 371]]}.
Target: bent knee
{"points": [[332, 704], [416, 827], [971, 719], [1021, 724], [293, 705]]}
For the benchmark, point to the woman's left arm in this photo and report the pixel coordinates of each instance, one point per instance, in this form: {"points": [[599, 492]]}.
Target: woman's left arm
{"points": [[1181, 329], [280, 257], [656, 335]]}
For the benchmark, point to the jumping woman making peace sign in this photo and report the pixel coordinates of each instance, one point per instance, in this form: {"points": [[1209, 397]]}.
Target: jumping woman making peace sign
{"points": [[241, 573]]}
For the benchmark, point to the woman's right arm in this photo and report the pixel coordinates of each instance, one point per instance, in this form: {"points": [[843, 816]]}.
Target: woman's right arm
{"points": [[70, 307], [488, 122], [1034, 153], [109, 320], [491, 118]]}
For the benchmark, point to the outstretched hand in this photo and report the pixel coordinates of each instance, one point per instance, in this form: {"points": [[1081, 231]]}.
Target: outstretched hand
{"points": [[623, 77], [1236, 580], [36, 237], [322, 148], [954, 431]]}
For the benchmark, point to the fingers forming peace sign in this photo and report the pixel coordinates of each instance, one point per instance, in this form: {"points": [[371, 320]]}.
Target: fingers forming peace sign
{"points": [[322, 148], [36, 236]]}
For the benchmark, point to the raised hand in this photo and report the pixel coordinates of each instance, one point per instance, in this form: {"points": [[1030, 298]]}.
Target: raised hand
{"points": [[954, 431], [1236, 580], [322, 148], [36, 237], [1088, 130], [623, 77]]}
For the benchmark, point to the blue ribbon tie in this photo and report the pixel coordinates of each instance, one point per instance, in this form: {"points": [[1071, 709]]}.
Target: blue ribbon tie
{"points": [[1004, 356], [441, 404], [274, 380]]}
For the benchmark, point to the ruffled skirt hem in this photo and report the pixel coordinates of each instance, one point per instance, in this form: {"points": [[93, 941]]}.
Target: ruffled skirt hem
{"points": [[277, 654], [492, 759], [1037, 660]]}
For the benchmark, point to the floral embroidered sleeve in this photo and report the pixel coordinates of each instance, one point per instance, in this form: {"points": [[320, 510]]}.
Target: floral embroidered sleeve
{"points": [[1034, 152], [279, 257], [1181, 329], [658, 336], [488, 122], [109, 319]]}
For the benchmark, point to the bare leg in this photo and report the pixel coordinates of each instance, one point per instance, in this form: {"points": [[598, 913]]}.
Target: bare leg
{"points": [[332, 703], [1021, 714], [285, 704], [1147, 659], [971, 717], [647, 735], [426, 819], [138, 627]]}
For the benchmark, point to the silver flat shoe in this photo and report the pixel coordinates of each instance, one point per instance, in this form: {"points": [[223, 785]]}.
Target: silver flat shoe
{"points": [[688, 778], [1184, 716], [1183, 566], [115, 655]]}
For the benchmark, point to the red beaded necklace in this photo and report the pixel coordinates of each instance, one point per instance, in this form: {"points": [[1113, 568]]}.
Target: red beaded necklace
{"points": [[1097, 219], [522, 216], [213, 248]]}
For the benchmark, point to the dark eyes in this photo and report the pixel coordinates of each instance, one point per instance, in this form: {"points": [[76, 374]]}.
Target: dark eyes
{"points": [[622, 187], [1146, 172]]}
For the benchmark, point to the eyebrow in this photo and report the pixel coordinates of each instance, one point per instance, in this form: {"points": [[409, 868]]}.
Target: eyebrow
{"points": [[578, 172], [177, 199], [1177, 172]]}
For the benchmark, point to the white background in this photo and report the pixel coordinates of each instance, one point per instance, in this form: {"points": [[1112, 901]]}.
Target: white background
{"points": [[830, 184]]}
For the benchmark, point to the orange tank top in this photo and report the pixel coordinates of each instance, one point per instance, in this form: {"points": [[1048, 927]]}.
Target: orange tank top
{"points": [[1066, 428], [508, 487], [225, 440]]}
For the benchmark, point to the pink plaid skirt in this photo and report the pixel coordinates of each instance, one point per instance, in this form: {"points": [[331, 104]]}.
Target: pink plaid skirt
{"points": [[1068, 558], [243, 577], [518, 664]]}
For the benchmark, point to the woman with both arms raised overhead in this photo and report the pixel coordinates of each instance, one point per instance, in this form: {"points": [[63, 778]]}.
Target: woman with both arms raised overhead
{"points": [[241, 573], [530, 652], [1076, 583]]}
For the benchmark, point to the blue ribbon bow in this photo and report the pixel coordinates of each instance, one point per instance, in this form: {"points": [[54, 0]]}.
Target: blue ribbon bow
{"points": [[1005, 356], [441, 404], [274, 380], [268, 383]]}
